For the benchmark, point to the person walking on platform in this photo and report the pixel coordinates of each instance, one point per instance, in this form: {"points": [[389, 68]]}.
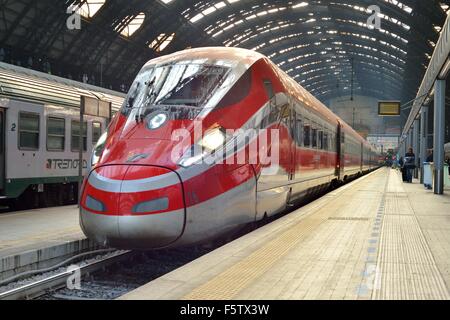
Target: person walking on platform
{"points": [[409, 165]]}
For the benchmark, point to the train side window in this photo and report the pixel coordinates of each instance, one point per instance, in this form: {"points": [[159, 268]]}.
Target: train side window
{"points": [[320, 140], [96, 131], [56, 134], [307, 135], [75, 133], [333, 142], [325, 141], [314, 137], [269, 88], [29, 129], [299, 130]]}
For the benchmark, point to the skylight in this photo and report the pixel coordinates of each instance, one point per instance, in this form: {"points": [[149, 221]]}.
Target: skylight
{"points": [[91, 7], [134, 25], [162, 41]]}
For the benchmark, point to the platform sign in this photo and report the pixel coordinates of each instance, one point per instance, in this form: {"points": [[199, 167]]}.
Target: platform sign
{"points": [[95, 107], [389, 108], [104, 109]]}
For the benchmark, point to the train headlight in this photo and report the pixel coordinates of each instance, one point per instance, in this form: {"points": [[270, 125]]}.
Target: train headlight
{"points": [[211, 141], [156, 121], [98, 149]]}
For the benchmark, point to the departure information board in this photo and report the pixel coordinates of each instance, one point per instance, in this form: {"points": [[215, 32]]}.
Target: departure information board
{"points": [[389, 108]]}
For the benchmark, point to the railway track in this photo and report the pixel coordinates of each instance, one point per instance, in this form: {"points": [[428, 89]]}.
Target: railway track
{"points": [[34, 289]]}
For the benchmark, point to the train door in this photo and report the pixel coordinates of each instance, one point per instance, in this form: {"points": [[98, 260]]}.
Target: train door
{"points": [[362, 157], [298, 143], [287, 152], [340, 146], [2, 150], [293, 144], [292, 151]]}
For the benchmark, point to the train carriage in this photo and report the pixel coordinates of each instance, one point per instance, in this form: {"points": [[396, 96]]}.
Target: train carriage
{"points": [[39, 127]]}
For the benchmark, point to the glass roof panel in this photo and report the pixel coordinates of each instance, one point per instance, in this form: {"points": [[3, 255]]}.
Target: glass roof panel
{"points": [[91, 7], [134, 25]]}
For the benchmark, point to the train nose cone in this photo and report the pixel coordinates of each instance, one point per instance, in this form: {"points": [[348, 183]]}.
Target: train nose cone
{"points": [[133, 207]]}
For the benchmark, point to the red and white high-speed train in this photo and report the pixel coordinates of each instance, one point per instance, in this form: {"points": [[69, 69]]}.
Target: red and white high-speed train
{"points": [[149, 188]]}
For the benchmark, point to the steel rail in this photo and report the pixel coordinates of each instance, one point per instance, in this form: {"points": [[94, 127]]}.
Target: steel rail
{"points": [[39, 288]]}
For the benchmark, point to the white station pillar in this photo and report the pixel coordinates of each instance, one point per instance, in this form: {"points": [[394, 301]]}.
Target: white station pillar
{"points": [[423, 139], [439, 136], [415, 146]]}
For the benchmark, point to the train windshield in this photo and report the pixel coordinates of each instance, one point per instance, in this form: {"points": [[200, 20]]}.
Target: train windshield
{"points": [[174, 85]]}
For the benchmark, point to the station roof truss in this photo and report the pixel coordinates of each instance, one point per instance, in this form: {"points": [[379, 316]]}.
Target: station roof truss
{"points": [[325, 45]]}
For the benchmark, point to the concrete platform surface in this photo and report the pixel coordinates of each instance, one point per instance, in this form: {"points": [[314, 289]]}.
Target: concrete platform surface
{"points": [[375, 238], [40, 238], [34, 229]]}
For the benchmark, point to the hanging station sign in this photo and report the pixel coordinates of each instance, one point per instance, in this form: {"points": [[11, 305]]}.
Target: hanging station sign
{"points": [[389, 108]]}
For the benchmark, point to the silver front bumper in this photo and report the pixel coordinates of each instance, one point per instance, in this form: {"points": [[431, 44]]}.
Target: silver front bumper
{"points": [[133, 232]]}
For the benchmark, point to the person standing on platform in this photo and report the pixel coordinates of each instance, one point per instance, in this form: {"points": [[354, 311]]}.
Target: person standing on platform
{"points": [[409, 165], [401, 164], [430, 157], [447, 161]]}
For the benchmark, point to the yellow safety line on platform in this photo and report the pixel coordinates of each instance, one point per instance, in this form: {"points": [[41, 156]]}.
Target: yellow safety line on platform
{"points": [[406, 264]]}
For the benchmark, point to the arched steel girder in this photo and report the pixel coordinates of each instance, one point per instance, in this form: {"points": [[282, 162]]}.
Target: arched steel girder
{"points": [[412, 49], [45, 23], [322, 7], [313, 50], [309, 39], [389, 89], [318, 61], [371, 81], [325, 85], [404, 90], [10, 28], [241, 29], [317, 74], [308, 68], [350, 52], [376, 94], [355, 40], [326, 92], [393, 28], [276, 46], [144, 28], [314, 76]]}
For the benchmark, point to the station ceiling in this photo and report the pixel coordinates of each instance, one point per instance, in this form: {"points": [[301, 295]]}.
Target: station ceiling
{"points": [[325, 45]]}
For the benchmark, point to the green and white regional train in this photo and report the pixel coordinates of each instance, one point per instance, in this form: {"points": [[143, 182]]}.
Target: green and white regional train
{"points": [[39, 136]]}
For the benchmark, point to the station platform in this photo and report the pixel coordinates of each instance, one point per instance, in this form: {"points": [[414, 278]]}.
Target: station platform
{"points": [[39, 238], [26, 230], [375, 238]]}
